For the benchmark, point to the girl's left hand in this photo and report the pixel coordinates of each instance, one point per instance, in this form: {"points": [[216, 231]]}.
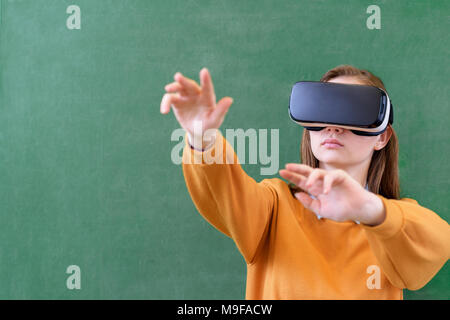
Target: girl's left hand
{"points": [[339, 197]]}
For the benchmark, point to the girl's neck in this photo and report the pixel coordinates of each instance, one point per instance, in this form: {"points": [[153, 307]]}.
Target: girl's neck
{"points": [[357, 172]]}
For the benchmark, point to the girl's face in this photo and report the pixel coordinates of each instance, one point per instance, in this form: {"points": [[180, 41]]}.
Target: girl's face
{"points": [[354, 149]]}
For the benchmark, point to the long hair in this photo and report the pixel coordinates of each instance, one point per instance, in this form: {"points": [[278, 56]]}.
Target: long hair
{"points": [[383, 174]]}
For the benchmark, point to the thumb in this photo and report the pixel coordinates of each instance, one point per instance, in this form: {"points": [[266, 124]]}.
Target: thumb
{"points": [[304, 198], [308, 202], [222, 107]]}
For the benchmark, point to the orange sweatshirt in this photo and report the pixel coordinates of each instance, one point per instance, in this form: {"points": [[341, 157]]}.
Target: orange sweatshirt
{"points": [[291, 254]]}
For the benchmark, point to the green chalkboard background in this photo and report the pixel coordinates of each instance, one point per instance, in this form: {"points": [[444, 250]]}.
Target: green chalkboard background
{"points": [[86, 176]]}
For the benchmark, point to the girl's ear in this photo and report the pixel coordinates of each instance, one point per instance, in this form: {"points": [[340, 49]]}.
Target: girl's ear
{"points": [[383, 138]]}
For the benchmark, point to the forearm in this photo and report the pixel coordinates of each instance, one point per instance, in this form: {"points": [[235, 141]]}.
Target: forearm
{"points": [[226, 196], [412, 243]]}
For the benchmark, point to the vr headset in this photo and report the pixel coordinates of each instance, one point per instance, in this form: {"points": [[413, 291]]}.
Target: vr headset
{"points": [[365, 110]]}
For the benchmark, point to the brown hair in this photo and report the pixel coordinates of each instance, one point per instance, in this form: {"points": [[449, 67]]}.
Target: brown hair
{"points": [[383, 174]]}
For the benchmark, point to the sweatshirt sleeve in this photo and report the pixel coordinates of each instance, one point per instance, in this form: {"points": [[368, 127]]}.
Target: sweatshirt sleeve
{"points": [[229, 199], [411, 244]]}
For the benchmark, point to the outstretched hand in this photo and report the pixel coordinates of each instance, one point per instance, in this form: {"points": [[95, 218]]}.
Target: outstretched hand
{"points": [[339, 197], [193, 103]]}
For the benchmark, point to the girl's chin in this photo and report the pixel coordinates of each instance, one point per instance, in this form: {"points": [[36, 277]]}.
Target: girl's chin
{"points": [[332, 161]]}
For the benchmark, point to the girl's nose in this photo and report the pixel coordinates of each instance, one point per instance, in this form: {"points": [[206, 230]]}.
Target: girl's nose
{"points": [[334, 129]]}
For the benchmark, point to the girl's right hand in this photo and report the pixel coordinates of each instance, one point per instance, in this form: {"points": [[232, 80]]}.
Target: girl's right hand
{"points": [[191, 103]]}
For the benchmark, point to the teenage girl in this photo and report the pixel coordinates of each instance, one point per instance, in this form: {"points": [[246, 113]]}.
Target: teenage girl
{"points": [[338, 230]]}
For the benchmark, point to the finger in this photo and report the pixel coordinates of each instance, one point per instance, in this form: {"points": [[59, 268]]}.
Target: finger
{"points": [[222, 107], [299, 168], [333, 178], [207, 85], [308, 202], [328, 182], [295, 178], [166, 102], [188, 85], [174, 87], [314, 177]]}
